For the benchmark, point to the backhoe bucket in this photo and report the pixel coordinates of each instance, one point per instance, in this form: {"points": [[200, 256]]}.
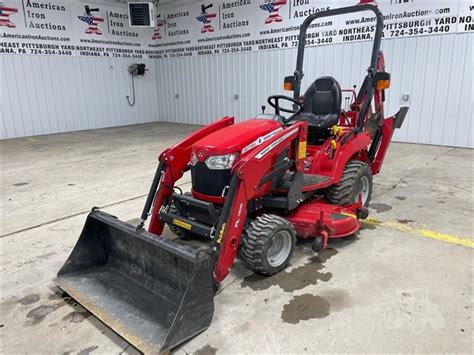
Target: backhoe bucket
{"points": [[152, 292]]}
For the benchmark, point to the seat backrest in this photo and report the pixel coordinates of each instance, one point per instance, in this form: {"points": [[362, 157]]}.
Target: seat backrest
{"points": [[323, 97]]}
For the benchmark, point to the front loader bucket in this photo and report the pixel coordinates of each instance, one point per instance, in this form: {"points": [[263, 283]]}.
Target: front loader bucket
{"points": [[152, 292]]}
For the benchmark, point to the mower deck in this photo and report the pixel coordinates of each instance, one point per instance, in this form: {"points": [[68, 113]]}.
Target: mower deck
{"points": [[340, 221]]}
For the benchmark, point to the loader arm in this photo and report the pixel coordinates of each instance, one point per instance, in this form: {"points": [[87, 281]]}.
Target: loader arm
{"points": [[248, 177], [173, 163]]}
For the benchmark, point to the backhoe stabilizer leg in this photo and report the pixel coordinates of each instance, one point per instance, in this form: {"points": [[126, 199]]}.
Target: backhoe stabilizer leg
{"points": [[400, 117]]}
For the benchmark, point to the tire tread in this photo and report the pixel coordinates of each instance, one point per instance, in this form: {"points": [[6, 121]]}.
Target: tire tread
{"points": [[342, 192], [255, 237]]}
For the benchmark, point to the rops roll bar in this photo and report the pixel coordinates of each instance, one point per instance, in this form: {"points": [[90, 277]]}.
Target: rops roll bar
{"points": [[298, 74]]}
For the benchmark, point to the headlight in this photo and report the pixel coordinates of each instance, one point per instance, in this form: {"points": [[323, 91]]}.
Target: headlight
{"points": [[221, 162]]}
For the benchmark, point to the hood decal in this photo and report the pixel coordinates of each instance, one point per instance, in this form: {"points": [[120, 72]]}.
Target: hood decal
{"points": [[261, 140], [274, 144]]}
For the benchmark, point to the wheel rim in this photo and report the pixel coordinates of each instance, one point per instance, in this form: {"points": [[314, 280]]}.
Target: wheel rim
{"points": [[280, 248], [363, 190]]}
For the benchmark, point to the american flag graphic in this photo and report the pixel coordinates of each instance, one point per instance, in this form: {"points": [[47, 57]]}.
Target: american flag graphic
{"points": [[206, 19], [272, 8], [5, 13], [93, 23], [156, 33]]}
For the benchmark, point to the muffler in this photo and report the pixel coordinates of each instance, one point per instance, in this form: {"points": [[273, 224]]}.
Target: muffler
{"points": [[154, 293]]}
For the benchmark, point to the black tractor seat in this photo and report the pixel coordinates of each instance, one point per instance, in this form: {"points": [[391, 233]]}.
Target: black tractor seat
{"points": [[321, 108], [320, 122]]}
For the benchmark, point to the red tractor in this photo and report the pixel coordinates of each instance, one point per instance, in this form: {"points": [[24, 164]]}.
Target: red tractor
{"points": [[256, 186]]}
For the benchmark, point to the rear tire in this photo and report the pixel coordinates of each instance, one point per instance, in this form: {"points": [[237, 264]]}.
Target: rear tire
{"points": [[356, 178], [268, 244]]}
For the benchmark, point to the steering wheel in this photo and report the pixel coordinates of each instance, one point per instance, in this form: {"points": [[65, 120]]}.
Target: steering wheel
{"points": [[274, 101]]}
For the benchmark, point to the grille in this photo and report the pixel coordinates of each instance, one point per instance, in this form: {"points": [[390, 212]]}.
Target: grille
{"points": [[209, 182]]}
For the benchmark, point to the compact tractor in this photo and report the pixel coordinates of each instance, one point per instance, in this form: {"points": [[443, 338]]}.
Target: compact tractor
{"points": [[257, 186]]}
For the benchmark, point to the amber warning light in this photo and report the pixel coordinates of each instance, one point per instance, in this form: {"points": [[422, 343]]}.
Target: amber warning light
{"points": [[288, 84], [382, 80]]}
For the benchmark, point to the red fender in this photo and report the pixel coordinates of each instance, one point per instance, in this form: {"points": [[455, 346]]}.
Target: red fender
{"points": [[333, 167], [354, 148]]}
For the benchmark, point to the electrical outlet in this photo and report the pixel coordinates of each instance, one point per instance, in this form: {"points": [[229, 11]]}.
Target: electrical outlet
{"points": [[406, 97], [236, 96]]}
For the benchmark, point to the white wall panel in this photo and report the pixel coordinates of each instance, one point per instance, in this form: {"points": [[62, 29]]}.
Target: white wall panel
{"points": [[436, 71], [43, 95]]}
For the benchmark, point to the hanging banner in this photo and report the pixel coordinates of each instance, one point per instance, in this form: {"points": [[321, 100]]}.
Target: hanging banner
{"points": [[67, 28], [466, 17], [64, 28], [235, 26]]}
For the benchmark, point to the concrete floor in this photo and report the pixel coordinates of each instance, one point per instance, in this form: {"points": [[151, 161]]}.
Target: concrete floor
{"points": [[401, 285]]}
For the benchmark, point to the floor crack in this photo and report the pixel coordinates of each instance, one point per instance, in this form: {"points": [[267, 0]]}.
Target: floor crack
{"points": [[124, 350], [76, 214], [417, 170], [462, 188], [232, 282]]}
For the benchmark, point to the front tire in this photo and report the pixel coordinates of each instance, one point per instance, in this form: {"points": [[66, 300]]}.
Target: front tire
{"points": [[356, 179], [268, 244]]}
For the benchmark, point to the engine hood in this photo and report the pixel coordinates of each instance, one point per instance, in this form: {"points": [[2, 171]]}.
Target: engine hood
{"points": [[241, 138]]}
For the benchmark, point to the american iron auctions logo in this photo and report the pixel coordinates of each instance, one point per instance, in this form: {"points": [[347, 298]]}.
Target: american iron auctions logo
{"points": [[206, 18], [5, 13], [272, 8], [158, 26], [91, 20]]}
